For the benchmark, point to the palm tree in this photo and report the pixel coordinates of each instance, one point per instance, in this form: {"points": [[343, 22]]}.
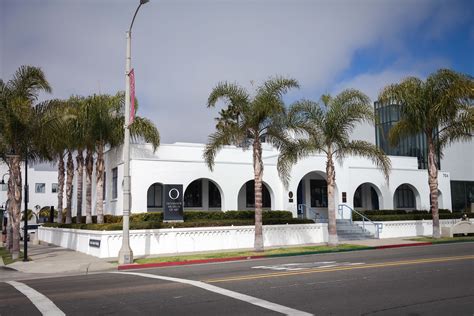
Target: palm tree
{"points": [[440, 108], [327, 129], [244, 122], [108, 122], [21, 125]]}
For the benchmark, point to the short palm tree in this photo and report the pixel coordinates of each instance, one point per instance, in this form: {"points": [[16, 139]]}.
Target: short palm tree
{"points": [[327, 129], [244, 122], [108, 121], [440, 108], [21, 131]]}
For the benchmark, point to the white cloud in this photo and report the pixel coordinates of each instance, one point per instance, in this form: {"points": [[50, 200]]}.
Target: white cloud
{"points": [[181, 49]]}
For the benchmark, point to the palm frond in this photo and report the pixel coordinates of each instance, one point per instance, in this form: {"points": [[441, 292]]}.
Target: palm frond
{"points": [[366, 150]]}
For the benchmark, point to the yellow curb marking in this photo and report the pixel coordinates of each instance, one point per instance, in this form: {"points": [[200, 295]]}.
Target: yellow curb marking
{"points": [[316, 270]]}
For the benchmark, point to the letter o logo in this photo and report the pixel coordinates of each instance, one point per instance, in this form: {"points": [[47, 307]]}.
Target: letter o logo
{"points": [[173, 194]]}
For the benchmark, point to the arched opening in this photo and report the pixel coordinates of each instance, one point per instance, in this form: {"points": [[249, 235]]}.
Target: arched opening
{"points": [[246, 197], [154, 197], [203, 194], [312, 196], [406, 197], [367, 196]]}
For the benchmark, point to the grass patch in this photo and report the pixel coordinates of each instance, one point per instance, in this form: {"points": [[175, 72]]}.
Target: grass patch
{"points": [[444, 239], [270, 252], [7, 257]]}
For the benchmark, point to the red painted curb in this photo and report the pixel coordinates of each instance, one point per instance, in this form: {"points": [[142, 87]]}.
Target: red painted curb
{"points": [[181, 263], [404, 245]]}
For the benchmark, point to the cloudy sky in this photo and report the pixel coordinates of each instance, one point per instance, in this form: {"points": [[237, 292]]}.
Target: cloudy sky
{"points": [[183, 48]]}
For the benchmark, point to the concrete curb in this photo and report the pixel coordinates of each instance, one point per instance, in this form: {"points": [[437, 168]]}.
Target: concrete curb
{"points": [[213, 260]]}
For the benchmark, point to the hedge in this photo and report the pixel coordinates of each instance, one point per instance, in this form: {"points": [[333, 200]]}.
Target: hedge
{"points": [[197, 223], [402, 215]]}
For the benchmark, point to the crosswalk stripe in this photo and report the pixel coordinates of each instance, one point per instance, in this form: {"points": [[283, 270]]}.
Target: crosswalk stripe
{"points": [[41, 302], [242, 297]]}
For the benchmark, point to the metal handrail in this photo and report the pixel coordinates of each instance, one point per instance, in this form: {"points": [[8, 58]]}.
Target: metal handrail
{"points": [[378, 226]]}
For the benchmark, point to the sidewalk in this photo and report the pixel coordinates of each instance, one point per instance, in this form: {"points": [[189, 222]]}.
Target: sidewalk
{"points": [[54, 259]]}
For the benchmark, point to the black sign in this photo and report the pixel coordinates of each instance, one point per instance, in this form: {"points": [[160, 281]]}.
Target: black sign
{"points": [[94, 243], [173, 210]]}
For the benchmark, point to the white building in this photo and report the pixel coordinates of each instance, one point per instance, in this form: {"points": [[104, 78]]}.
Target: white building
{"points": [[226, 187]]}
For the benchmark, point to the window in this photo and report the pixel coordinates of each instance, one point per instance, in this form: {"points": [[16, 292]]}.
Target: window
{"points": [[40, 187], [104, 189], [404, 197], [319, 193], [214, 196], [54, 188], [4, 187], [193, 194], [154, 196], [114, 183], [250, 192]]}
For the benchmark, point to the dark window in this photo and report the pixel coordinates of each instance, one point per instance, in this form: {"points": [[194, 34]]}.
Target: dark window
{"points": [[54, 188], [319, 193], [114, 183], [214, 196], [250, 195], [462, 195], [358, 197], [404, 197], [193, 194], [40, 187], [155, 195]]}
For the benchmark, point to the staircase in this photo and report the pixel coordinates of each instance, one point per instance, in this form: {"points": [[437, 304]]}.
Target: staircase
{"points": [[346, 230]]}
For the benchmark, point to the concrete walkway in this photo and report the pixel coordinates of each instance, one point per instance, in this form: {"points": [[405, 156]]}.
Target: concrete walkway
{"points": [[54, 259]]}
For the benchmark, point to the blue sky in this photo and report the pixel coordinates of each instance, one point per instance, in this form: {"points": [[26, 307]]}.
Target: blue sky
{"points": [[183, 48]]}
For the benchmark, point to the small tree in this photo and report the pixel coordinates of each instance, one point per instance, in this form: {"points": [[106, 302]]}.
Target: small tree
{"points": [[244, 122], [327, 130], [440, 108]]}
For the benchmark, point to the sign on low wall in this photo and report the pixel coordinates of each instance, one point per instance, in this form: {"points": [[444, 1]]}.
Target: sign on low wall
{"points": [[173, 208]]}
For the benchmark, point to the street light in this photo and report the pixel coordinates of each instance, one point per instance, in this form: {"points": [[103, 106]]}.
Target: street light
{"points": [[125, 253]]}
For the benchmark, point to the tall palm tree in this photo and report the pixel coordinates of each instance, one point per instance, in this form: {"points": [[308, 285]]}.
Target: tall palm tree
{"points": [[21, 125], [108, 122], [327, 129], [244, 122], [440, 108]]}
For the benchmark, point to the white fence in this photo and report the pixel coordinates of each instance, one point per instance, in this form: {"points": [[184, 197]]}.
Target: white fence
{"points": [[395, 229], [106, 244]]}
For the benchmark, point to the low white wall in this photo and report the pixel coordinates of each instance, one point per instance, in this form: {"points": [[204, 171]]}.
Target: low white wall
{"points": [[178, 240], [394, 229]]}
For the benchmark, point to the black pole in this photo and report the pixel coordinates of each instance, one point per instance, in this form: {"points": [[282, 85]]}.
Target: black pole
{"points": [[51, 214], [25, 228]]}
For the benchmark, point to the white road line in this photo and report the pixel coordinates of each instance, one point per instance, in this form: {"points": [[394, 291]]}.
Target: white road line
{"points": [[246, 298], [42, 303]]}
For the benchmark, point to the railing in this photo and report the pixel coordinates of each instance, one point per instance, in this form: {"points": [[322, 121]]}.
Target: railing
{"points": [[308, 212], [365, 220]]}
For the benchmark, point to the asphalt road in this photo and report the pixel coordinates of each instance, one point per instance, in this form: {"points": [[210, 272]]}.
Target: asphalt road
{"points": [[428, 280]]}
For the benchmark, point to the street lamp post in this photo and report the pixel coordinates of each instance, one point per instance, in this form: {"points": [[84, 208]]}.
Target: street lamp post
{"points": [[125, 253]]}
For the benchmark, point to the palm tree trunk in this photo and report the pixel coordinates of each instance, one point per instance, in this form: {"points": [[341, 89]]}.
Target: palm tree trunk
{"points": [[433, 183], [60, 187], [69, 179], [258, 175], [89, 170], [80, 183], [16, 205], [9, 244], [331, 181], [99, 174]]}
